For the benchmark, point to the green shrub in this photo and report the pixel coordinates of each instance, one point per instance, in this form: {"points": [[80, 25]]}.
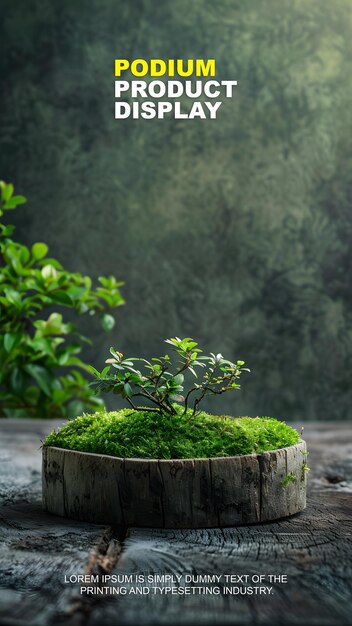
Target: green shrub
{"points": [[137, 434], [41, 374], [161, 380]]}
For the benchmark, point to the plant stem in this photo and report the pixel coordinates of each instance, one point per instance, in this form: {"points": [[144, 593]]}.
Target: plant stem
{"points": [[187, 397], [160, 405]]}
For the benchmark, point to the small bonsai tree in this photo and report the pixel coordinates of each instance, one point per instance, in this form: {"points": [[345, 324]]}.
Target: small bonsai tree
{"points": [[161, 382], [41, 374]]}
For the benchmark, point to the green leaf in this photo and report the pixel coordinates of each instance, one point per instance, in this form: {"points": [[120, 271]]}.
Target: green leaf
{"points": [[136, 379], [7, 191], [53, 262], [117, 366], [39, 250], [42, 346], [13, 296], [175, 397], [24, 255], [115, 354], [63, 358], [10, 204], [93, 371], [74, 408], [172, 342], [76, 293], [16, 380], [107, 322], [11, 340], [7, 231], [41, 376], [127, 390], [32, 282], [88, 282], [61, 297], [53, 325], [49, 271], [19, 199]]}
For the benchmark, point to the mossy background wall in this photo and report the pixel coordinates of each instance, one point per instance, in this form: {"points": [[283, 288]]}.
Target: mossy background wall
{"points": [[236, 232]]}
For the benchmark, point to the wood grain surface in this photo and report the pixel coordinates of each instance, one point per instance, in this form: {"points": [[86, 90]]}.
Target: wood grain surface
{"points": [[312, 548], [183, 493]]}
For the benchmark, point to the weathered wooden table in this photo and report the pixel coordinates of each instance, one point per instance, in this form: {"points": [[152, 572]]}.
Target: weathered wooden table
{"points": [[312, 549]]}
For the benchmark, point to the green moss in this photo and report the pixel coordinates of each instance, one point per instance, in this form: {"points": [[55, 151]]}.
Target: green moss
{"points": [[289, 478], [305, 469], [137, 434]]}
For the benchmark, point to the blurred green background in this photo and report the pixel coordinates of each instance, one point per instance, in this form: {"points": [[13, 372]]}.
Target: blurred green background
{"points": [[236, 232]]}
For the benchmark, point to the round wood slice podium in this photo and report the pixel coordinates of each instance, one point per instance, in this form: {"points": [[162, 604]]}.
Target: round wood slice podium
{"points": [[180, 493]]}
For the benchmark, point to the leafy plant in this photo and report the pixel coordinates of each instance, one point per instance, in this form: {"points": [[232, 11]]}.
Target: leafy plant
{"points": [[41, 374], [161, 381]]}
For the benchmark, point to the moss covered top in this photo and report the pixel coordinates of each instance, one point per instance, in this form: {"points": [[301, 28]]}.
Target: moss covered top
{"points": [[137, 434]]}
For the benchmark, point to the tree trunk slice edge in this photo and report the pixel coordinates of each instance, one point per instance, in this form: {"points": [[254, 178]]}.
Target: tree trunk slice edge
{"points": [[176, 493]]}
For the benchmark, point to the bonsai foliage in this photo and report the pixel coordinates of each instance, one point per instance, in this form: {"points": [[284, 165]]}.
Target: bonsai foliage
{"points": [[161, 381], [41, 374]]}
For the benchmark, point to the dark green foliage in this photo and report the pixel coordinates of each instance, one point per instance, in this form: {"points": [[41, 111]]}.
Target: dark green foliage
{"points": [[161, 380], [236, 231], [41, 374], [134, 434]]}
